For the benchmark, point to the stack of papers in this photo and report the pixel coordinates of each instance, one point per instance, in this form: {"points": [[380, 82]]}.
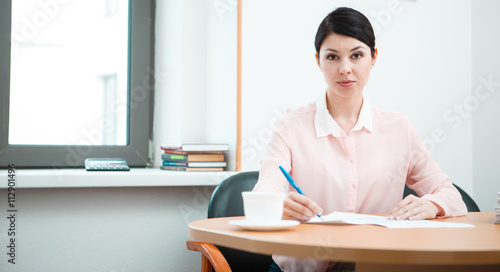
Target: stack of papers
{"points": [[341, 218], [497, 211]]}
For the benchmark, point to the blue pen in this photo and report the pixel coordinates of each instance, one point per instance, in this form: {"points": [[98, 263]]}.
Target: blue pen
{"points": [[290, 180]]}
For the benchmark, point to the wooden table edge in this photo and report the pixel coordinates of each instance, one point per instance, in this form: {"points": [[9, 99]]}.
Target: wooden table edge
{"points": [[244, 240]]}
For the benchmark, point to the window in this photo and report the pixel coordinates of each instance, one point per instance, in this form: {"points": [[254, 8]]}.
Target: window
{"points": [[75, 82]]}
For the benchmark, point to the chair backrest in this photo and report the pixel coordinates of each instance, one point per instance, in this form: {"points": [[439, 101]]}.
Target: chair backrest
{"points": [[469, 202], [227, 201]]}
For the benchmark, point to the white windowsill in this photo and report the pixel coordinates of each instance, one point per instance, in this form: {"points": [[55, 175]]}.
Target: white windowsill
{"points": [[136, 177]]}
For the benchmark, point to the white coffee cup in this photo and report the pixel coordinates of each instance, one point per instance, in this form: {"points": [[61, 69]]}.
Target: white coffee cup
{"points": [[263, 207]]}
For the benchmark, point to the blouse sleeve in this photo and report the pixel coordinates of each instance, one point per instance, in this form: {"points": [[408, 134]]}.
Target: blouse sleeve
{"points": [[429, 181], [278, 153]]}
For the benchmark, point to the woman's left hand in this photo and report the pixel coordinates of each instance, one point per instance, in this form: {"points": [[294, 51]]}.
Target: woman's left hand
{"points": [[415, 208]]}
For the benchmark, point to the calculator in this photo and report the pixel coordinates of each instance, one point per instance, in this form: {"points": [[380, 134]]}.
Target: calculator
{"points": [[106, 164]]}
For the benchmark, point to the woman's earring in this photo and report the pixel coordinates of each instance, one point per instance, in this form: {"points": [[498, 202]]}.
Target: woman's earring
{"points": [[373, 65]]}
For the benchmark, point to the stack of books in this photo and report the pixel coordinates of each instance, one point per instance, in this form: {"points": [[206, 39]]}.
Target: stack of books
{"points": [[194, 157], [497, 210]]}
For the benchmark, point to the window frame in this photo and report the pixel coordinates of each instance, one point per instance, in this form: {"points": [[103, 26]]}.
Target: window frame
{"points": [[140, 88]]}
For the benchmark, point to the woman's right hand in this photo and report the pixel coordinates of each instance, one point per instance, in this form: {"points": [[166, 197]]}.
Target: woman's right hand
{"points": [[299, 207]]}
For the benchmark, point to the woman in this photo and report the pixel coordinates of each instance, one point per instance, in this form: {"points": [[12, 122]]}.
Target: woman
{"points": [[347, 156]]}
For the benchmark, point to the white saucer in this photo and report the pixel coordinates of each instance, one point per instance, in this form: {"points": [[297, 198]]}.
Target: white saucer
{"points": [[248, 225]]}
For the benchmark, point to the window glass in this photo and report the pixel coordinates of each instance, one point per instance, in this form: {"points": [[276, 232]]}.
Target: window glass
{"points": [[68, 75]]}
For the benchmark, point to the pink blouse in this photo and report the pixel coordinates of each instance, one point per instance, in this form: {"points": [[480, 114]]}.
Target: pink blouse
{"points": [[362, 172]]}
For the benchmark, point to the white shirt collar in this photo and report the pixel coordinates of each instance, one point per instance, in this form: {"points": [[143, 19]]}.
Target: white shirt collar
{"points": [[326, 125]]}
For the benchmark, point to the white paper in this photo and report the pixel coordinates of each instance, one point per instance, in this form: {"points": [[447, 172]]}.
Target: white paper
{"points": [[341, 218]]}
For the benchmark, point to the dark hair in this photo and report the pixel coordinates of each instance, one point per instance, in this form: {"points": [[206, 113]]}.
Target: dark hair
{"points": [[347, 22]]}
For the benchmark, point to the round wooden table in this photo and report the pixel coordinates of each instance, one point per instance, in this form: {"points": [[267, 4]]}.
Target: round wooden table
{"points": [[373, 248]]}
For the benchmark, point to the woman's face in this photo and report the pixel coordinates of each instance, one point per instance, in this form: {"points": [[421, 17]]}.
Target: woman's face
{"points": [[346, 63]]}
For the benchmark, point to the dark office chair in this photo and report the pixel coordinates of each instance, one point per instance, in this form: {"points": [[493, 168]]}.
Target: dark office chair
{"points": [[469, 202], [227, 201]]}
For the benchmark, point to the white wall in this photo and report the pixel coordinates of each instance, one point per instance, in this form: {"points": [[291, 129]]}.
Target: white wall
{"points": [[485, 101], [195, 63], [104, 229], [423, 70]]}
